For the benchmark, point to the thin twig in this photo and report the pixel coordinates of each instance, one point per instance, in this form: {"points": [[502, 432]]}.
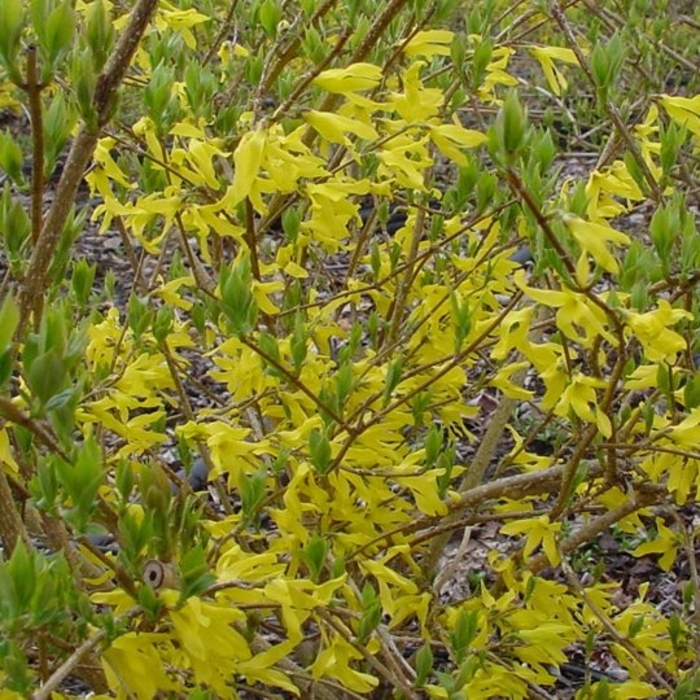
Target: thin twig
{"points": [[623, 641], [609, 107], [33, 88], [35, 281], [65, 669]]}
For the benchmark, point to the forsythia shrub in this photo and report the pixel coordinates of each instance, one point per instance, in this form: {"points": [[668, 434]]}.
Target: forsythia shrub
{"points": [[366, 291]]}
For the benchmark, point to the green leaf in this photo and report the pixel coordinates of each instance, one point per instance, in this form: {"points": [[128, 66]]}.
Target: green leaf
{"points": [[44, 486], [480, 61], [320, 450], [99, 33], [124, 480], [688, 687], [59, 121], [433, 443], [15, 228], [671, 138], [139, 316], [252, 490], [635, 626], [195, 576], [602, 691], [81, 481], [461, 318], [9, 318], [84, 77], [163, 324], [269, 16], [22, 570], [371, 613], [299, 342], [60, 28], [58, 401], [511, 125], [691, 392], [314, 555], [11, 24], [393, 378], [464, 633], [82, 279], [344, 382], [159, 97], [11, 158], [606, 62], [424, 664], [675, 629], [237, 302], [149, 601], [46, 376], [13, 662]]}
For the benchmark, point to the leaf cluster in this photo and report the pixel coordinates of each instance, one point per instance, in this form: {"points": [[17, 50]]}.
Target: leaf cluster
{"points": [[390, 277]]}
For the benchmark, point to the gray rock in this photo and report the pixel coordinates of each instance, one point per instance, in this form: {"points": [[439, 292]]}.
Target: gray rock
{"points": [[197, 478]]}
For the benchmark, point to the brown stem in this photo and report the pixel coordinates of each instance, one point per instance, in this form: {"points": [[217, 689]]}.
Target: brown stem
{"points": [[520, 191], [295, 382], [58, 539], [623, 640], [225, 29], [474, 476], [69, 665], [14, 414], [448, 364], [201, 276], [398, 306], [130, 255], [249, 238], [610, 109], [595, 527], [377, 30], [512, 487], [11, 526], [122, 577], [120, 59], [394, 680], [291, 51], [186, 407], [371, 38], [309, 77], [310, 688], [35, 282], [570, 469]]}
